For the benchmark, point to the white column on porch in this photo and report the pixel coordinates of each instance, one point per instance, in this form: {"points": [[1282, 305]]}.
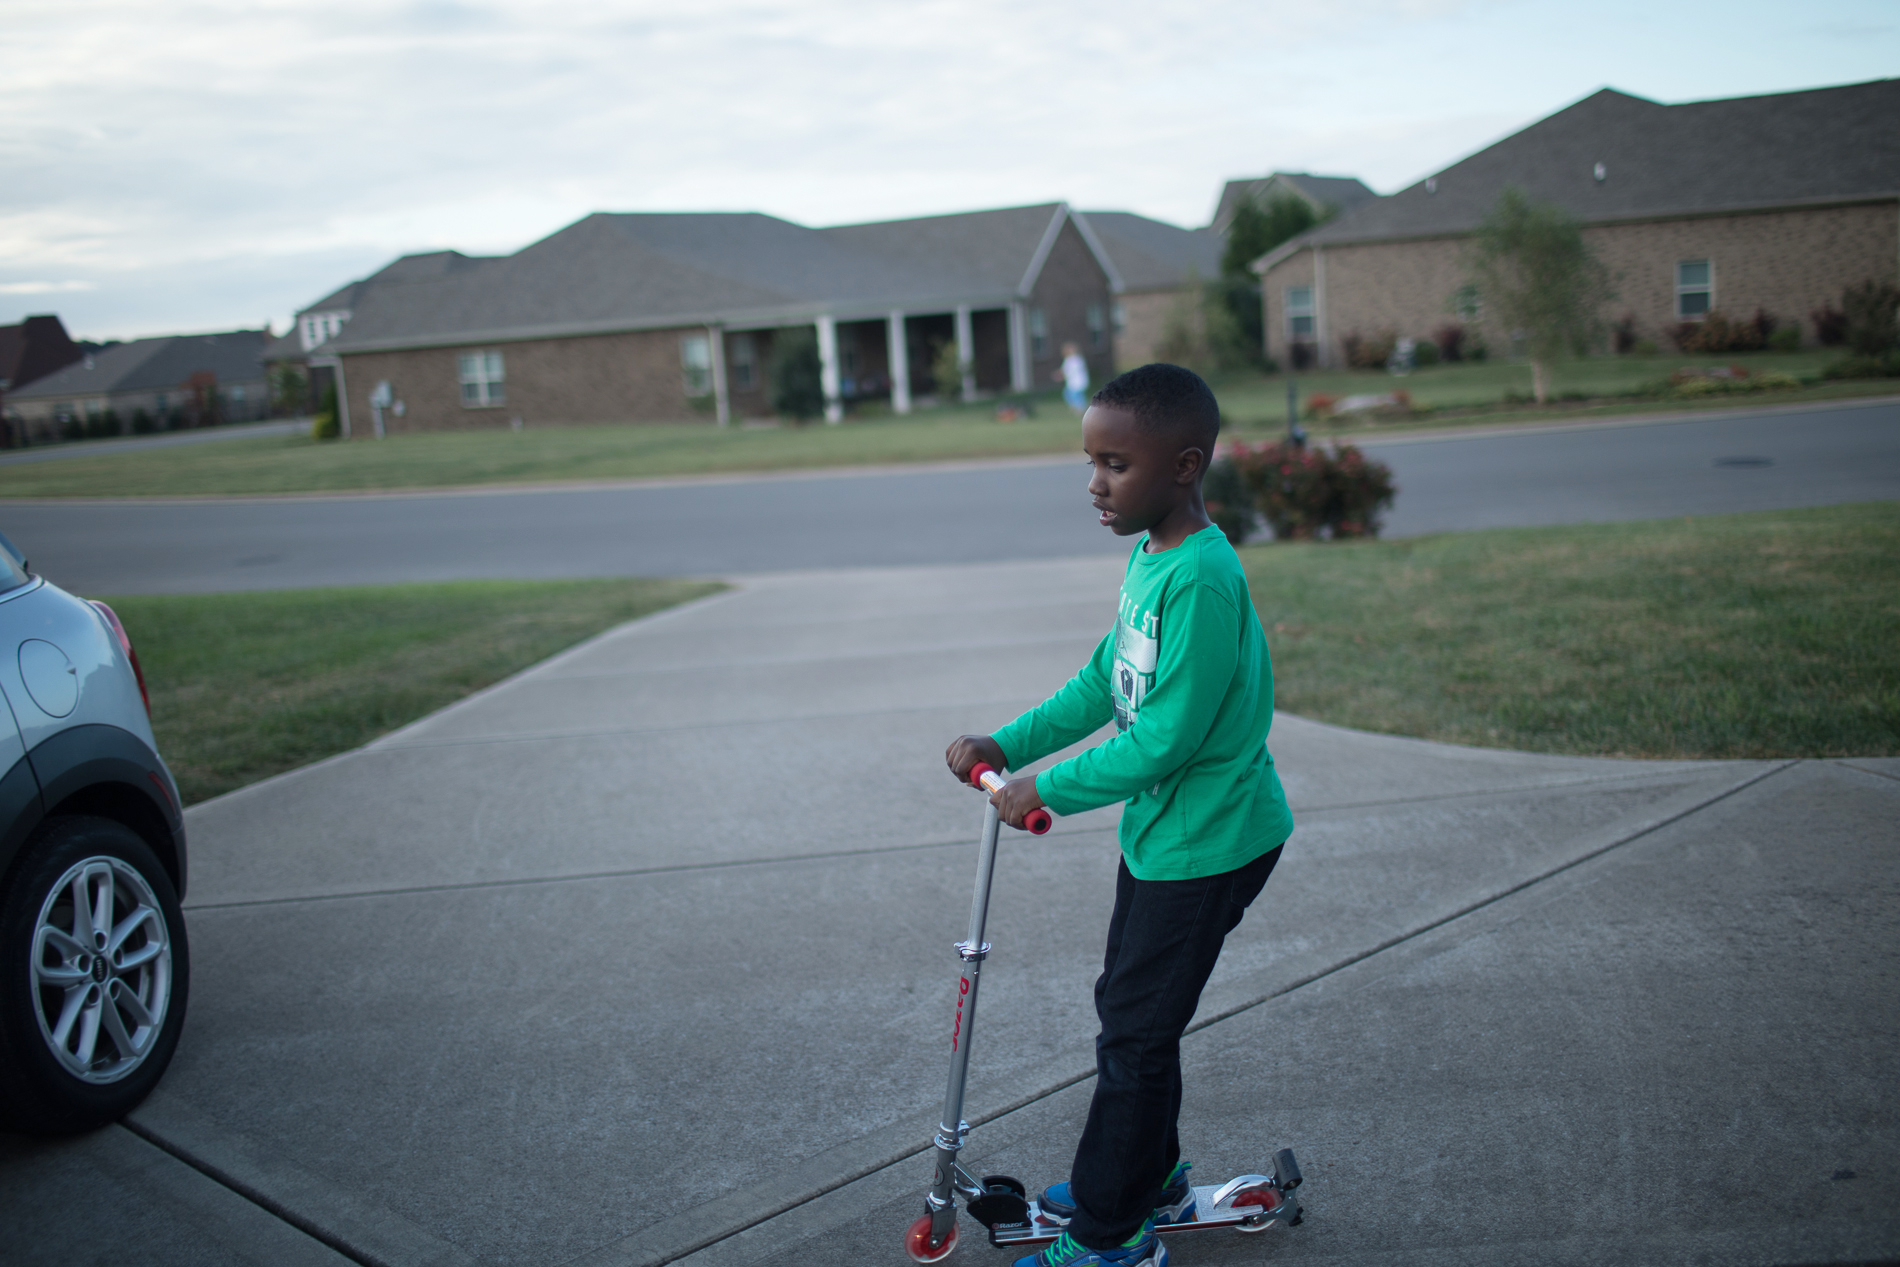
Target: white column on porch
{"points": [[1319, 307], [828, 367], [966, 352], [722, 402], [1018, 348], [899, 350]]}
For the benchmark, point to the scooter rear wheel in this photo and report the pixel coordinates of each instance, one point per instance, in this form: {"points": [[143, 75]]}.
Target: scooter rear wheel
{"points": [[917, 1242]]}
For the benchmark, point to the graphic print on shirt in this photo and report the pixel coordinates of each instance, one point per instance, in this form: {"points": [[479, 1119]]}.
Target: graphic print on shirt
{"points": [[1136, 650]]}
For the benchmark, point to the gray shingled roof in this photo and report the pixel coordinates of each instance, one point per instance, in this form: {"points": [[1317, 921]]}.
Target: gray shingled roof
{"points": [[1153, 254], [1786, 149], [623, 271], [1342, 193], [159, 364]]}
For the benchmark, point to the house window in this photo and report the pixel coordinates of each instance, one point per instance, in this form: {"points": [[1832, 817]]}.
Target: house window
{"points": [[744, 354], [310, 332], [481, 379], [1097, 331], [237, 393], [696, 364], [1299, 313], [1695, 289], [1038, 332], [1118, 315]]}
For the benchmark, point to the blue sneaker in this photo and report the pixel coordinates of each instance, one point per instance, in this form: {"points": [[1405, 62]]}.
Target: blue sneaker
{"points": [[1143, 1249], [1177, 1199]]}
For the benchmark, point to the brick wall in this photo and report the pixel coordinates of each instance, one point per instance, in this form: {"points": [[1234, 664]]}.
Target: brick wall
{"points": [[1144, 320], [1070, 282], [1787, 262], [634, 377]]}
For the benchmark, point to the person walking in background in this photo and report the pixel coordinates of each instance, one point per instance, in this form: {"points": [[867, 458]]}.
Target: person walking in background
{"points": [[1075, 377]]}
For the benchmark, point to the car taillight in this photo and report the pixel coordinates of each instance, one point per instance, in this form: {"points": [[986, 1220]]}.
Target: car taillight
{"points": [[112, 618]]}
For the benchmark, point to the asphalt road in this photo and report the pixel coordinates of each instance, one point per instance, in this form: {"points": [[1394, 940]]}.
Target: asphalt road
{"points": [[1597, 472]]}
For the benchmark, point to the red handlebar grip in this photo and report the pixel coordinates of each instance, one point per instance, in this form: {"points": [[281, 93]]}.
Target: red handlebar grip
{"points": [[1037, 820]]}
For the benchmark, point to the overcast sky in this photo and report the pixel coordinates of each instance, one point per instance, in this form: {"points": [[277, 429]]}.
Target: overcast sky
{"points": [[197, 165]]}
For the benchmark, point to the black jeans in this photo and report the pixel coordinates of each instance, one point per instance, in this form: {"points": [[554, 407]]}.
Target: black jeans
{"points": [[1162, 943]]}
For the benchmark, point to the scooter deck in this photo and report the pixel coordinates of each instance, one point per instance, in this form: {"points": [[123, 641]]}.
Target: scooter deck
{"points": [[1040, 1229]]}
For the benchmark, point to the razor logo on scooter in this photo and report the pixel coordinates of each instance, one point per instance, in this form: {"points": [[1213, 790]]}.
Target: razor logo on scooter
{"points": [[1249, 1203], [962, 994]]}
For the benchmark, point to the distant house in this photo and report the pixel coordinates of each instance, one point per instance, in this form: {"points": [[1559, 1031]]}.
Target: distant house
{"points": [[1326, 195], [29, 352], [1155, 265], [1775, 203], [194, 379], [649, 317]]}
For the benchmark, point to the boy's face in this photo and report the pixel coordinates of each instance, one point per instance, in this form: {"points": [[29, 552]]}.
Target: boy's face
{"points": [[1138, 477]]}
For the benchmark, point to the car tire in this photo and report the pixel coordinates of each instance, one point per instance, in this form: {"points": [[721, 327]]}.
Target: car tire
{"points": [[89, 1017]]}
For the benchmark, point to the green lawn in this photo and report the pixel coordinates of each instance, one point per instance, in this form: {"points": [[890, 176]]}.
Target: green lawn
{"points": [[1255, 403], [247, 685], [1758, 635]]}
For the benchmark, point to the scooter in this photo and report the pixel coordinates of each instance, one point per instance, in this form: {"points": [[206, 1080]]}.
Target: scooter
{"points": [[1248, 1203]]}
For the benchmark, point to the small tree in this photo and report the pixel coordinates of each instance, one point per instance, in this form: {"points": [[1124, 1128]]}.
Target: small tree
{"points": [[1256, 228], [946, 371], [798, 377], [289, 389], [1535, 275]]}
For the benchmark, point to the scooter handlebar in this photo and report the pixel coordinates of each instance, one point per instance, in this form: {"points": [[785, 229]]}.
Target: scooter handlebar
{"points": [[984, 776]]}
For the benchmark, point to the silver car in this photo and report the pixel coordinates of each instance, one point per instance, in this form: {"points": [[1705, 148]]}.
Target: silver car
{"points": [[94, 965]]}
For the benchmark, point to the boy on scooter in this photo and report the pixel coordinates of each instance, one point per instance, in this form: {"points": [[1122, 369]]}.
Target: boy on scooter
{"points": [[1186, 679]]}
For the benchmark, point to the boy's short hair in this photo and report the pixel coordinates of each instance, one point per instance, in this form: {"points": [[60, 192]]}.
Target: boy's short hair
{"points": [[1166, 400]]}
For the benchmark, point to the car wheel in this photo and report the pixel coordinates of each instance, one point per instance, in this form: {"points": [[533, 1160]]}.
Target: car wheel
{"points": [[94, 972]]}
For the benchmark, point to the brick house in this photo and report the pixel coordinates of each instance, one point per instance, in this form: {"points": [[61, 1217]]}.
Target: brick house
{"points": [[1775, 202], [1156, 264], [29, 351], [182, 375], [656, 317]]}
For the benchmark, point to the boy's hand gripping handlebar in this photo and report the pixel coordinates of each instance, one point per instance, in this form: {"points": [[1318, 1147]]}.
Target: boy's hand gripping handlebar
{"points": [[986, 777]]}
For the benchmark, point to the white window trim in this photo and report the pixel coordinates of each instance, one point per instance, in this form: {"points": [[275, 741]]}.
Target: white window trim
{"points": [[1708, 288], [1038, 332], [688, 367], [1309, 310], [493, 387]]}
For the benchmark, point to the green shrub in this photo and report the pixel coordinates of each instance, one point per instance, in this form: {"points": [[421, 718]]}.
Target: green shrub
{"points": [[326, 426], [1887, 366], [102, 426], [1307, 493], [143, 424], [1425, 354], [1716, 334], [798, 385], [73, 428], [1229, 501], [1872, 310], [1786, 338]]}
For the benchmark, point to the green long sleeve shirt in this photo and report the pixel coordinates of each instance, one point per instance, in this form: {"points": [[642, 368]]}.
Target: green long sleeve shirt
{"points": [[1186, 678]]}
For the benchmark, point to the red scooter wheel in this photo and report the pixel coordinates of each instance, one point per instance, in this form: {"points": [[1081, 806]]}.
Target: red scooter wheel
{"points": [[917, 1242]]}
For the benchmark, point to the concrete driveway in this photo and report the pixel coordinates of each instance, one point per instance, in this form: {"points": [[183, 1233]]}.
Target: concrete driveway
{"points": [[645, 955]]}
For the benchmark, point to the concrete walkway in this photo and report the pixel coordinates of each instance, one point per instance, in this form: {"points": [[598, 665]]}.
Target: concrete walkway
{"points": [[645, 956]]}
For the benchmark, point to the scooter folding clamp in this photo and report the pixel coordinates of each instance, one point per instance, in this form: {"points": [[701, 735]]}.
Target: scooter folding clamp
{"points": [[972, 953]]}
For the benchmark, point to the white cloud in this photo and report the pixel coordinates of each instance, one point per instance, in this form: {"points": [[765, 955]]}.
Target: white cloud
{"points": [[44, 288], [165, 154]]}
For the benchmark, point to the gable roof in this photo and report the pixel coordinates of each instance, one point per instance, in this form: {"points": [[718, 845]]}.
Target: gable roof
{"points": [[158, 364], [33, 349], [1342, 193], [1153, 254], [1819, 146], [621, 271]]}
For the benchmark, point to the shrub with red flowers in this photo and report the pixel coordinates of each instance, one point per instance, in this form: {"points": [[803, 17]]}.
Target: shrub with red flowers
{"points": [[1305, 494]]}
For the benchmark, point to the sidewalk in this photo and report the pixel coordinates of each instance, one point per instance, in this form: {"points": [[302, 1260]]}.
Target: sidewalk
{"points": [[622, 958], [165, 440]]}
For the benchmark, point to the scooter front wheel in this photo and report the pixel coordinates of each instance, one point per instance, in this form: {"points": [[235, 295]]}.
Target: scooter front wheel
{"points": [[917, 1242]]}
